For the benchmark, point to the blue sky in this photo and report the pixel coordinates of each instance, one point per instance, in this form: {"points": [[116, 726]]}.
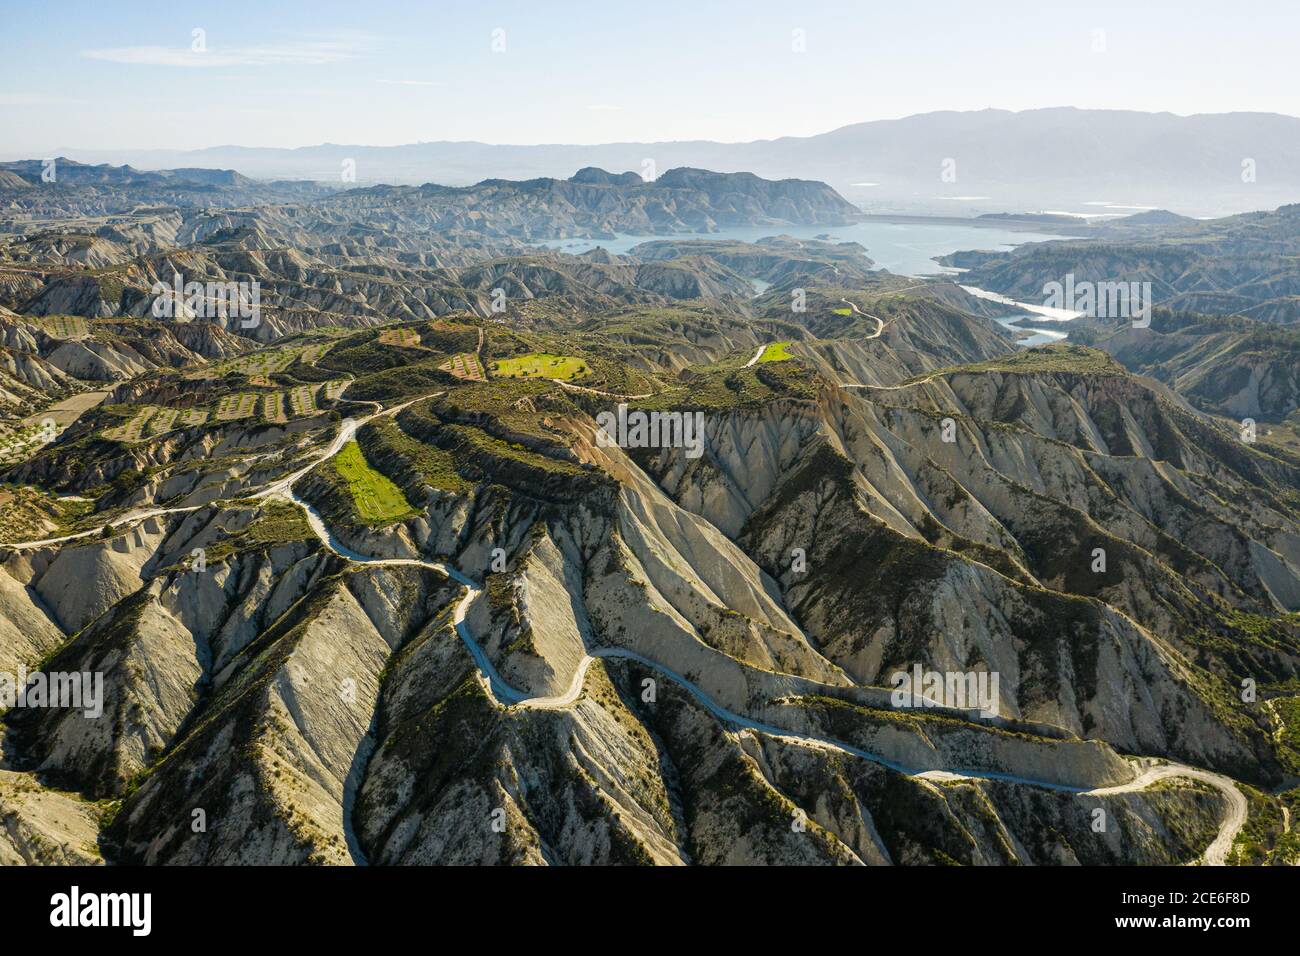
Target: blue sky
{"points": [[110, 75]]}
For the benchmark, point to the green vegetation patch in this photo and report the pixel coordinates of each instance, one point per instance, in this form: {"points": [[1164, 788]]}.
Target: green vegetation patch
{"points": [[396, 384], [28, 514], [61, 326], [776, 352], [499, 432], [279, 522], [1057, 357], [1263, 828], [377, 499], [370, 352], [515, 410], [541, 365], [434, 466], [1287, 711], [719, 388]]}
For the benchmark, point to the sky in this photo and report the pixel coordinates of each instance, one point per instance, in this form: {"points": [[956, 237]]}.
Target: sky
{"points": [[116, 74]]}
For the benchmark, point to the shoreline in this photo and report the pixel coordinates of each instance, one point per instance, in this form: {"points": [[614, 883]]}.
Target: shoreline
{"points": [[1008, 225]]}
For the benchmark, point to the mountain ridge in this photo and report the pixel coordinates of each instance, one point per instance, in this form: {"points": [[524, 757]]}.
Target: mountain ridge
{"points": [[1042, 158]]}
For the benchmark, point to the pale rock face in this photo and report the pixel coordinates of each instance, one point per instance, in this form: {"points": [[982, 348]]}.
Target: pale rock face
{"points": [[96, 361], [149, 688], [322, 710], [749, 453], [26, 632], [302, 721], [687, 564], [44, 827], [32, 371], [909, 480], [82, 581], [265, 592], [557, 628], [439, 530]]}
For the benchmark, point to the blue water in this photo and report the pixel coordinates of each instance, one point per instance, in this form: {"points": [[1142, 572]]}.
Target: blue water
{"points": [[902, 248], [1039, 337]]}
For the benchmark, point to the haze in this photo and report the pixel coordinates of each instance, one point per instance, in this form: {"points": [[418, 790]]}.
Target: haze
{"points": [[382, 73]]}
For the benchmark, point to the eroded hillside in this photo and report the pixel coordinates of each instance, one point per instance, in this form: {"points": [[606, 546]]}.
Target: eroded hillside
{"points": [[400, 577]]}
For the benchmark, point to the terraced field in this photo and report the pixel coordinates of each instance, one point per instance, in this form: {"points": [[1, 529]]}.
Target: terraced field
{"points": [[163, 420], [273, 408], [302, 401], [150, 421], [405, 337], [234, 407], [259, 366], [465, 365], [19, 442], [133, 429], [62, 326], [312, 353]]}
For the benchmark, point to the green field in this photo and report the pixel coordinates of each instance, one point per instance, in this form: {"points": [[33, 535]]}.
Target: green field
{"points": [[776, 352], [844, 311], [541, 365], [377, 499]]}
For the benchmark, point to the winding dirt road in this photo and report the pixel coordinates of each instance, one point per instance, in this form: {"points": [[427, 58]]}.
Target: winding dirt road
{"points": [[347, 429], [1216, 854], [507, 695], [880, 323]]}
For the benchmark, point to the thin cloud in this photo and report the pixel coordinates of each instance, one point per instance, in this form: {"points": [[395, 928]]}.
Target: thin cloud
{"points": [[294, 53], [413, 82], [604, 108]]}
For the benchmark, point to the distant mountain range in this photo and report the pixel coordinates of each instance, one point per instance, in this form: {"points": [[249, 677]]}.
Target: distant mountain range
{"points": [[592, 203], [595, 202], [35, 187], [1063, 159]]}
